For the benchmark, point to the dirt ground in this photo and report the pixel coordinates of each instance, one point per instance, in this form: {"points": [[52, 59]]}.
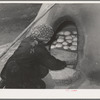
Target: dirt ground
{"points": [[14, 18]]}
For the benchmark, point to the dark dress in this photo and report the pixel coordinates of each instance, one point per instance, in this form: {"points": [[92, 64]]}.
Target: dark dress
{"points": [[28, 65]]}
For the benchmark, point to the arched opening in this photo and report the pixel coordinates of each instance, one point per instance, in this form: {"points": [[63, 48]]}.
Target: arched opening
{"points": [[64, 43]]}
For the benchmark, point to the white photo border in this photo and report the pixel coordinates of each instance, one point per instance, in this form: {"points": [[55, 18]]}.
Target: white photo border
{"points": [[50, 93]]}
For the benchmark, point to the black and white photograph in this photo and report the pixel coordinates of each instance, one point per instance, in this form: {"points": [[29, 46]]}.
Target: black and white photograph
{"points": [[50, 46]]}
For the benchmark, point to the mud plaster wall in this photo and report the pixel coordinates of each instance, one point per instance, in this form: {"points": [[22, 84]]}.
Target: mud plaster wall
{"points": [[88, 17]]}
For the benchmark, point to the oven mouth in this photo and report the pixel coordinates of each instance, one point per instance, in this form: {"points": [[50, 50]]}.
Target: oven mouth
{"points": [[68, 46], [72, 72]]}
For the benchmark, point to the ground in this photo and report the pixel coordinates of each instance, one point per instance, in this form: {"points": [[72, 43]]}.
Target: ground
{"points": [[14, 18]]}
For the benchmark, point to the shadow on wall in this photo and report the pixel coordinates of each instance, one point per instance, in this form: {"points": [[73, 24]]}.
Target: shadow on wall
{"points": [[14, 18]]}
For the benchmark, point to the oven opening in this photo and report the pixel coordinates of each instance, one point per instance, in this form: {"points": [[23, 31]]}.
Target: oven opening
{"points": [[64, 43]]}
